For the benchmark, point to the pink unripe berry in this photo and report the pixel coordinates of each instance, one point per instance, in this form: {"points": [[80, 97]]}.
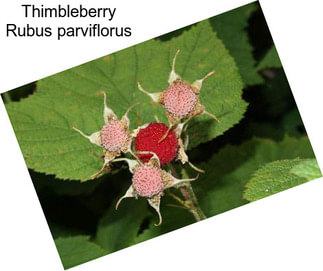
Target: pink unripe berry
{"points": [[179, 99], [147, 181], [113, 136]]}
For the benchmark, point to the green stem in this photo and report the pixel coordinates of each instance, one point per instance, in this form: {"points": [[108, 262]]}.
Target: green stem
{"points": [[196, 209], [178, 199], [190, 197]]}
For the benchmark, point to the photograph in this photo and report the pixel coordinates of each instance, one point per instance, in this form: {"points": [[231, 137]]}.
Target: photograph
{"points": [[160, 135]]}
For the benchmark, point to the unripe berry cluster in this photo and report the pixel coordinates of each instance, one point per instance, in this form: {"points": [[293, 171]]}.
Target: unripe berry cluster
{"points": [[155, 144]]}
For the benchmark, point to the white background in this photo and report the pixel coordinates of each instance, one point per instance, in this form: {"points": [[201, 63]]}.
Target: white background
{"points": [[281, 232]]}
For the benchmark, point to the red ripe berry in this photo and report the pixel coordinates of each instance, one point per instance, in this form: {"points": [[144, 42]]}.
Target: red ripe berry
{"points": [[147, 140]]}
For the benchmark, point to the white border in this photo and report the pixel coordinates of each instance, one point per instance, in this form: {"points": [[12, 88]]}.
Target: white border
{"points": [[281, 232], [30, 59]]}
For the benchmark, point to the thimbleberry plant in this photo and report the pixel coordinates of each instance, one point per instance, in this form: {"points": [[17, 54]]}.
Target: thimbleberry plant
{"points": [[156, 145], [157, 140]]}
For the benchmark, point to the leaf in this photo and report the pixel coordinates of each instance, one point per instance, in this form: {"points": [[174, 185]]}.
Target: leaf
{"points": [[230, 27], [43, 121], [272, 178], [77, 250], [118, 228], [277, 96], [308, 169], [264, 129], [221, 188], [270, 60], [293, 124], [62, 231]]}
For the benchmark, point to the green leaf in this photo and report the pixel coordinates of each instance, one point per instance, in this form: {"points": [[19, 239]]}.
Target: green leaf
{"points": [[293, 124], [270, 60], [221, 188], [62, 231], [43, 121], [272, 178], [118, 228], [308, 169], [77, 250], [277, 95], [230, 27]]}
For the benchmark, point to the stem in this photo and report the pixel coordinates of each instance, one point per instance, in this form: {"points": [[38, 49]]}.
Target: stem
{"points": [[189, 195], [179, 200], [195, 207]]}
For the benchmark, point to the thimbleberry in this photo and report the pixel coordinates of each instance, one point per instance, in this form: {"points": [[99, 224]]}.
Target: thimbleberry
{"points": [[114, 137], [148, 138], [180, 99], [149, 181]]}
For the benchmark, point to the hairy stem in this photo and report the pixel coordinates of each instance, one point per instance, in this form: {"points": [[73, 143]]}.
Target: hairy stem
{"points": [[183, 203], [195, 207], [189, 196]]}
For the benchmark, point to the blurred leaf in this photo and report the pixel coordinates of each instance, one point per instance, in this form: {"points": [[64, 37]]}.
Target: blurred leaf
{"points": [[221, 188], [293, 124], [277, 96], [43, 121], [270, 60], [77, 250], [272, 178], [58, 230], [118, 228], [308, 169], [230, 27], [264, 130]]}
